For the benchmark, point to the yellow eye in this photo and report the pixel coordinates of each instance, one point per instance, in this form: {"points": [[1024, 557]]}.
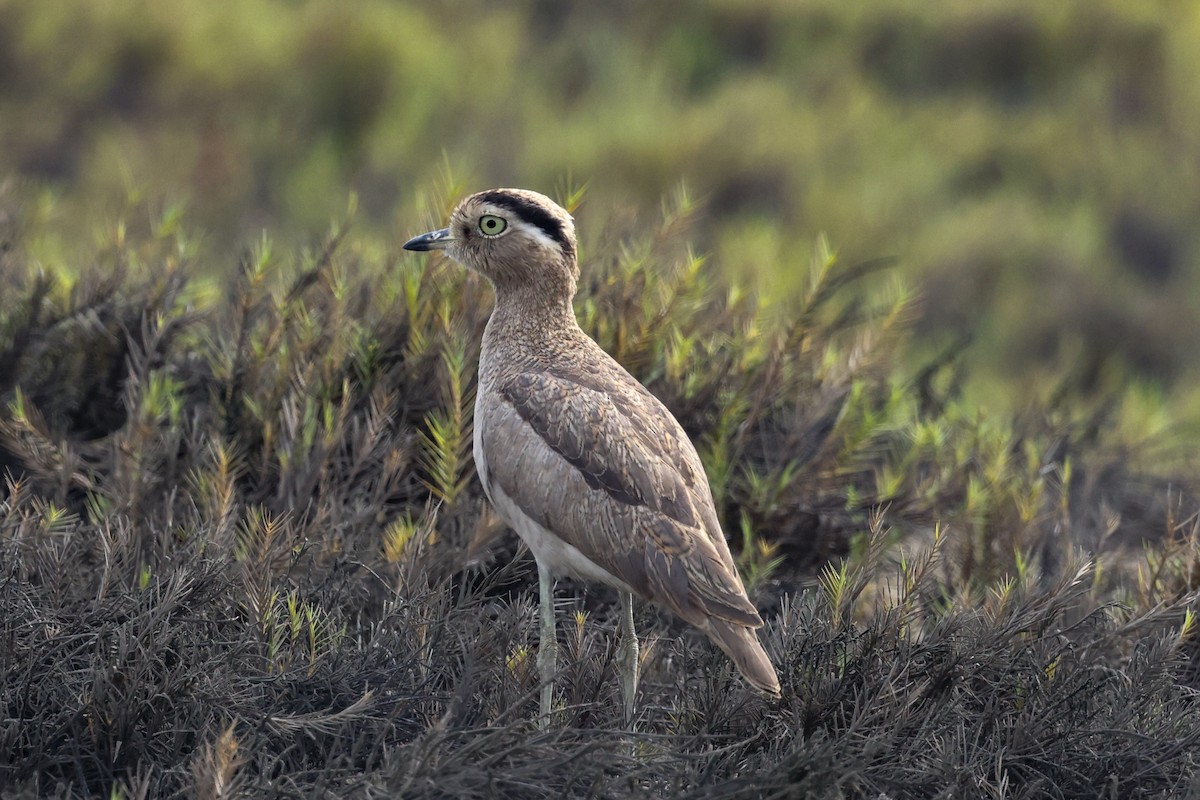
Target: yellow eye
{"points": [[491, 225]]}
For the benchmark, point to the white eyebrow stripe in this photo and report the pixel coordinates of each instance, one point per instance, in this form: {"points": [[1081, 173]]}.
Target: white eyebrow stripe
{"points": [[537, 233]]}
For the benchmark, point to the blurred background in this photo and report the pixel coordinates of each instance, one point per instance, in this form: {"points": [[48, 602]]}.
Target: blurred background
{"points": [[1032, 167]]}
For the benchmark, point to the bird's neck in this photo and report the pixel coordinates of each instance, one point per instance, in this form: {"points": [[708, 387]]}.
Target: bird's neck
{"points": [[530, 318]]}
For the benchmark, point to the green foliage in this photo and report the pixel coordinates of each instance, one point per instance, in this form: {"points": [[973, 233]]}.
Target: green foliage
{"points": [[447, 443], [1021, 160]]}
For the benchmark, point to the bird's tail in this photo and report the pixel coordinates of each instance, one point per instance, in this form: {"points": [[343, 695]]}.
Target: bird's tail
{"points": [[741, 644]]}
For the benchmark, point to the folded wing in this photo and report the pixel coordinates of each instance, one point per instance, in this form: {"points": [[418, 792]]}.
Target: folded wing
{"points": [[635, 501]]}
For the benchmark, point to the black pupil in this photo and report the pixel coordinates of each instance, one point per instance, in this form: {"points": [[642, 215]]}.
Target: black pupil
{"points": [[490, 224]]}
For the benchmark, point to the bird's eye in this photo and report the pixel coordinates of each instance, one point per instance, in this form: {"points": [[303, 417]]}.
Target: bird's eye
{"points": [[491, 225]]}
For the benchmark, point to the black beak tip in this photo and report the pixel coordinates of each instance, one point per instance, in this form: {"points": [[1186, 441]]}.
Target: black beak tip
{"points": [[434, 240]]}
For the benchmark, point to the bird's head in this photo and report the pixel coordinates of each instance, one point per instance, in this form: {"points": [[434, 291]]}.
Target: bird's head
{"points": [[515, 238]]}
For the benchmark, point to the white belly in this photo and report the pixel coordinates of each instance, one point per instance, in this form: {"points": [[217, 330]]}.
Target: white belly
{"points": [[551, 552]]}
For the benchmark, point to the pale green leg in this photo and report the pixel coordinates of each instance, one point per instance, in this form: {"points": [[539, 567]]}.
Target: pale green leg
{"points": [[547, 659], [627, 658]]}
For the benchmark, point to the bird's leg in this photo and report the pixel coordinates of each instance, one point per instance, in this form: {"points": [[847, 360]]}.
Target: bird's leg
{"points": [[627, 657], [547, 659]]}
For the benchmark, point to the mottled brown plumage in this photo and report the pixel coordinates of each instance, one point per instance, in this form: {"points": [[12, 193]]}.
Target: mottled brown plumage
{"points": [[576, 455]]}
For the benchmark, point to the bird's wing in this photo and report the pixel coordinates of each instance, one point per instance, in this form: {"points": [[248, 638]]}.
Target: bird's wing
{"points": [[609, 471]]}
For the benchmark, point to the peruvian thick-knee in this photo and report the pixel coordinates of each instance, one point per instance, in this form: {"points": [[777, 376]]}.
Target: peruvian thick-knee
{"points": [[587, 466]]}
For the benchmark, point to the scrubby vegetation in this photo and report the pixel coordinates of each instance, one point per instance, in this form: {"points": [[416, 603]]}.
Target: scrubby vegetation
{"points": [[243, 551]]}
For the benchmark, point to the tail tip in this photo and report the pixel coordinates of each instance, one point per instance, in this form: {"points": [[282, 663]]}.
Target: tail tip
{"points": [[741, 644], [765, 681]]}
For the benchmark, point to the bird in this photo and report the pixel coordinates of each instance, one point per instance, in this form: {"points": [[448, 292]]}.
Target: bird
{"points": [[587, 466]]}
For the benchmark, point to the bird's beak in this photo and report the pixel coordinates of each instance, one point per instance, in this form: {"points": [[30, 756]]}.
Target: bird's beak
{"points": [[434, 240]]}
